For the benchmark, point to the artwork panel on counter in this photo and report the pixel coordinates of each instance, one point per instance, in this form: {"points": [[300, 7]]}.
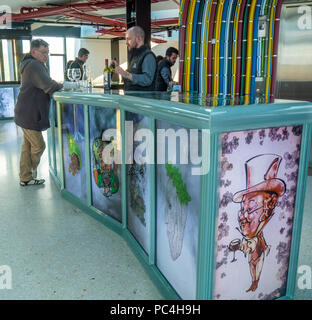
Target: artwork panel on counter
{"points": [[7, 102], [257, 194], [178, 208], [138, 186], [73, 134], [105, 177]]}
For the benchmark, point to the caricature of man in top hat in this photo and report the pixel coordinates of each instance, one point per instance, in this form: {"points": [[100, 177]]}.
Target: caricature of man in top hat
{"points": [[257, 201]]}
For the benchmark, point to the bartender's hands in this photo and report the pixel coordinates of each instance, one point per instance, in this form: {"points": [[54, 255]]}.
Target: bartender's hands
{"points": [[121, 71]]}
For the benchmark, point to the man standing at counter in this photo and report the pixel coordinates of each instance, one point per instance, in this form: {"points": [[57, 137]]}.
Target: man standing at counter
{"points": [[141, 73], [164, 75], [32, 109]]}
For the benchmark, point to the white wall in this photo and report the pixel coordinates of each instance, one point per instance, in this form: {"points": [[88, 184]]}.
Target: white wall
{"points": [[99, 51]]}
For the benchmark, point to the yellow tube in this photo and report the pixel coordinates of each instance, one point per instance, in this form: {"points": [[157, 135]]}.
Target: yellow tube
{"points": [[180, 12], [205, 21], [249, 51], [234, 55], [218, 21], [188, 49], [271, 35]]}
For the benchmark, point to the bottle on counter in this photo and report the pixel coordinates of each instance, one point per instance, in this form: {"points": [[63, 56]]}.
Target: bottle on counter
{"points": [[107, 76]]}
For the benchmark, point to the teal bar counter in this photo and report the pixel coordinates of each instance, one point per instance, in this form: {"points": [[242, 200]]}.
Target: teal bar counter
{"points": [[209, 199]]}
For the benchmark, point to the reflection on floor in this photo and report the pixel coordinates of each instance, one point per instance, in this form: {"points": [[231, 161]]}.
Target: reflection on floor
{"points": [[55, 251]]}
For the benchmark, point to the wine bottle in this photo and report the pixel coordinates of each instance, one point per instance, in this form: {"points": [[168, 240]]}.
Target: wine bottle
{"points": [[107, 76]]}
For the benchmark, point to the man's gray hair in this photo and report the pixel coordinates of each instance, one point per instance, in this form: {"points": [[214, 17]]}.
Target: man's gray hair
{"points": [[35, 44], [138, 31]]}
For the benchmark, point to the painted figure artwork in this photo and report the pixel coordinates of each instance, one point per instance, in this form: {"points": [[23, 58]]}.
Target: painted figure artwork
{"points": [[138, 185], [105, 175], [178, 207], [257, 193], [258, 202], [74, 149]]}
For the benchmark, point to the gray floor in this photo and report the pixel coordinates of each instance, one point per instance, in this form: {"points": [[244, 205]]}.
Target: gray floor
{"points": [[55, 251]]}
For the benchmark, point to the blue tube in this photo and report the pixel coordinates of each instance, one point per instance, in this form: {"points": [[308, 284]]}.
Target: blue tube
{"points": [[263, 2], [254, 52], [193, 52], [203, 54], [222, 48], [263, 7], [228, 53]]}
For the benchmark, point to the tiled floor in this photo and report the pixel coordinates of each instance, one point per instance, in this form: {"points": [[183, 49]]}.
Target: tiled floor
{"points": [[55, 251]]}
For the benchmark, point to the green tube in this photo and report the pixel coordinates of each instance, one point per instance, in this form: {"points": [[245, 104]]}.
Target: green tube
{"points": [[263, 56], [265, 41], [244, 48]]}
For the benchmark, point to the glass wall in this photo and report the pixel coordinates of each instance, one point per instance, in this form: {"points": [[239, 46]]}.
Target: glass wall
{"points": [[11, 53]]}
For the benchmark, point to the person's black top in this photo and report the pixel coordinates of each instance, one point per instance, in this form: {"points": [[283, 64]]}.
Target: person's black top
{"points": [[161, 84], [136, 60]]}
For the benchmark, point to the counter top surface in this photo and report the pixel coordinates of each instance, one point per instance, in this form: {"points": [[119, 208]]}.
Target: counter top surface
{"points": [[193, 110]]}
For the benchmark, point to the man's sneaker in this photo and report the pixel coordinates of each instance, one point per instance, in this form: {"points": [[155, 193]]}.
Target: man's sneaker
{"points": [[32, 182], [34, 173]]}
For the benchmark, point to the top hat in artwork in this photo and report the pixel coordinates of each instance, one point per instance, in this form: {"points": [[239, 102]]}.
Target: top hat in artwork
{"points": [[261, 176]]}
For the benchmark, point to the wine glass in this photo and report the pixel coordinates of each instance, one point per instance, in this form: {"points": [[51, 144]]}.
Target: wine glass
{"points": [[234, 246], [70, 78]]}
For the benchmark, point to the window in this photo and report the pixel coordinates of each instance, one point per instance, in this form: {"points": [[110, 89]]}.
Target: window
{"points": [[26, 46], [57, 73], [7, 60], [57, 57]]}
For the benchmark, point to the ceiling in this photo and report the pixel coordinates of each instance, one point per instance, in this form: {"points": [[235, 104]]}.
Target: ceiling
{"points": [[108, 17], [15, 5]]}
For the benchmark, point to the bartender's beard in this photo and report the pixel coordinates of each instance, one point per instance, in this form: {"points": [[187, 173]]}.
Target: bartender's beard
{"points": [[133, 52]]}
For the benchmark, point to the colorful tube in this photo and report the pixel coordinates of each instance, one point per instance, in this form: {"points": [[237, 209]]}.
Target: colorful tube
{"points": [[228, 51], [188, 46], [210, 47], [215, 76], [244, 53], [183, 9], [254, 52], [270, 52], [181, 12], [260, 43], [275, 49], [239, 8], [199, 46], [193, 47], [249, 51], [266, 40], [203, 51], [222, 48]]}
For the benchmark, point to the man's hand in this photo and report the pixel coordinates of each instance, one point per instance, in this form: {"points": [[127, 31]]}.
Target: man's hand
{"points": [[172, 83], [121, 71]]}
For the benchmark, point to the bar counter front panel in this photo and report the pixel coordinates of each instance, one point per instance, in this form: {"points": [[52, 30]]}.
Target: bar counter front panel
{"points": [[8, 97], [232, 232]]}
